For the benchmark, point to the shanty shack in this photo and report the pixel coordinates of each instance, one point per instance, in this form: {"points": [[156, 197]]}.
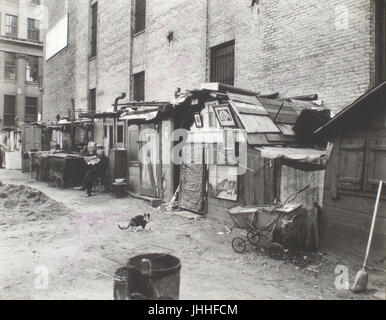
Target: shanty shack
{"points": [[149, 128], [357, 164], [245, 148], [220, 146]]}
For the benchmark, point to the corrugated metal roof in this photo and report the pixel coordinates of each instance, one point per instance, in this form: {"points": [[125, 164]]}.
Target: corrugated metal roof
{"points": [[280, 138], [258, 124], [243, 98], [245, 108], [287, 114], [258, 121], [255, 139]]}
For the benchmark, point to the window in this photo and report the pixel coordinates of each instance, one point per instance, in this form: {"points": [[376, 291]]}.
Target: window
{"points": [[140, 15], [32, 69], [362, 163], [94, 29], [92, 101], [133, 144], [139, 86], [222, 63], [34, 1], [33, 29], [380, 18], [31, 109], [120, 130], [9, 111], [10, 66], [10, 25]]}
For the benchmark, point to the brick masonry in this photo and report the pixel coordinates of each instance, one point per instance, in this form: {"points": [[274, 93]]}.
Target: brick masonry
{"points": [[286, 46], [70, 74]]}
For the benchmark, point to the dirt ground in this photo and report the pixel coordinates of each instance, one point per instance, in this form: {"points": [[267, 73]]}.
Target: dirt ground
{"points": [[76, 242]]}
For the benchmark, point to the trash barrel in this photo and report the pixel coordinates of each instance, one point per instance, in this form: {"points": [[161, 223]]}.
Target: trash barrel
{"points": [[153, 276]]}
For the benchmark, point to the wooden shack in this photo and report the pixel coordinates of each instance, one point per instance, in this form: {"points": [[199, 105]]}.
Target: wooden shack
{"points": [[357, 163], [226, 160], [148, 131]]}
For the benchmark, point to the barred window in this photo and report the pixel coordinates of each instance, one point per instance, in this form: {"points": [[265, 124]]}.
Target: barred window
{"points": [[140, 15], [32, 69], [9, 111], [139, 86], [10, 66], [33, 29], [11, 25], [31, 109], [222, 63]]}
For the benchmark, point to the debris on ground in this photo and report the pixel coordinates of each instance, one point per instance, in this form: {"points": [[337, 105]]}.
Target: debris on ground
{"points": [[80, 255], [25, 203]]}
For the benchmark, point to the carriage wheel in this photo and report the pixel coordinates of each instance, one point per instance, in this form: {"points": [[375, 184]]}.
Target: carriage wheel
{"points": [[254, 238], [276, 251], [239, 245]]}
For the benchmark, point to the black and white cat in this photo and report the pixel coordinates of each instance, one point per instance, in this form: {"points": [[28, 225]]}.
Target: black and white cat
{"points": [[138, 221]]}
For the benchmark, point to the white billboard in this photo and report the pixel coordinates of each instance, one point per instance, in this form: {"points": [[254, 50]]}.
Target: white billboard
{"points": [[57, 38]]}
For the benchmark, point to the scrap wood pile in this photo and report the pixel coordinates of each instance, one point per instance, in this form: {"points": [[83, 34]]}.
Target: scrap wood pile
{"points": [[22, 203]]}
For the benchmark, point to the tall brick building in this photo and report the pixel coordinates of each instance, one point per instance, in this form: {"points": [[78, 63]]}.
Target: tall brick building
{"points": [[149, 48], [21, 51]]}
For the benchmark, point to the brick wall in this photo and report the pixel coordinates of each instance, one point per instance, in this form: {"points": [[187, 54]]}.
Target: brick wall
{"points": [[302, 47], [59, 71], [180, 63], [70, 74], [293, 47]]}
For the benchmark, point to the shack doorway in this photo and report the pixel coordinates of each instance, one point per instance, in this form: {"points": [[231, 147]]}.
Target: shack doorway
{"points": [[149, 161]]}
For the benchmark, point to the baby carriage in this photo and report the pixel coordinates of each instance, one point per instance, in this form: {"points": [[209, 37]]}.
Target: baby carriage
{"points": [[276, 234]]}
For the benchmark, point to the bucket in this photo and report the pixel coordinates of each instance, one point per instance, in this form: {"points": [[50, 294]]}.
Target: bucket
{"points": [[149, 277]]}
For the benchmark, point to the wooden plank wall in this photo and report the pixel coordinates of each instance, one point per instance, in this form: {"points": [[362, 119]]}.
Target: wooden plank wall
{"points": [[347, 214], [292, 180], [258, 187]]}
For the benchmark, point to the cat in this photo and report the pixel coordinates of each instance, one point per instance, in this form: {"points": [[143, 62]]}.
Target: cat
{"points": [[138, 221]]}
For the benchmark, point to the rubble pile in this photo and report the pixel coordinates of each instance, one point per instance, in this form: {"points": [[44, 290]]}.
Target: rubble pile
{"points": [[26, 204]]}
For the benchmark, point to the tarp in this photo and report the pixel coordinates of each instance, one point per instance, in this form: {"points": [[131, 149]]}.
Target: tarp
{"points": [[192, 183], [307, 155]]}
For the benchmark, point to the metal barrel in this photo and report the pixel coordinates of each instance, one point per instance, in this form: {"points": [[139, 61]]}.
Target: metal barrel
{"points": [[153, 276]]}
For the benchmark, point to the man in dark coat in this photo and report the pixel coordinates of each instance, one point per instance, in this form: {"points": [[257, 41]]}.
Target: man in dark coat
{"points": [[96, 171]]}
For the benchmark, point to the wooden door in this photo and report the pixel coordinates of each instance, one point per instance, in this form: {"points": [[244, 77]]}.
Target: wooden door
{"points": [[149, 161]]}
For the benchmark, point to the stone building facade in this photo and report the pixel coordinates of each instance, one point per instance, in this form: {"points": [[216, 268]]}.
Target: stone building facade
{"points": [[21, 51]]}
